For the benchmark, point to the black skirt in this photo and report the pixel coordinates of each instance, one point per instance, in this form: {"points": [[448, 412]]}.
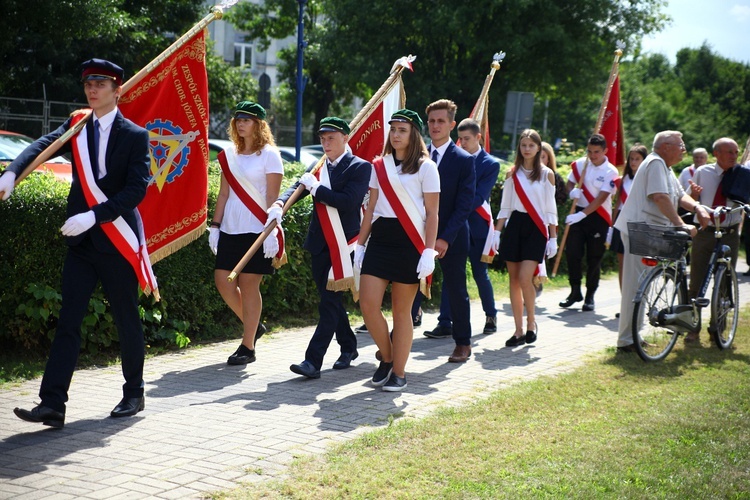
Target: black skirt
{"points": [[616, 245], [232, 247], [521, 239], [390, 253]]}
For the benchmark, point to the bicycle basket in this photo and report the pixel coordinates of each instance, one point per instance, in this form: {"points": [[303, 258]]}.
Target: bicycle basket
{"points": [[648, 240]]}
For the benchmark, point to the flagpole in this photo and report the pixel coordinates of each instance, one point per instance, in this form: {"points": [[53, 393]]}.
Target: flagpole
{"points": [[599, 120], [354, 125], [479, 107], [216, 13]]}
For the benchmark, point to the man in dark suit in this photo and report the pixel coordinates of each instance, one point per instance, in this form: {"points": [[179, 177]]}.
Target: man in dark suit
{"points": [[349, 178], [114, 155], [457, 188], [487, 169]]}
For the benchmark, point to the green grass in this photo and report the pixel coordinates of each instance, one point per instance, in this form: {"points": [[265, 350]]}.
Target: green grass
{"points": [[614, 428]]}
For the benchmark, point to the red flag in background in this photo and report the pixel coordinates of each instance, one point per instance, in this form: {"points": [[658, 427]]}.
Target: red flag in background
{"points": [[612, 128], [368, 139], [171, 102]]}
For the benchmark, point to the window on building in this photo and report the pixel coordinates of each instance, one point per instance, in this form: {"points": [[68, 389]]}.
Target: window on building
{"points": [[243, 54]]}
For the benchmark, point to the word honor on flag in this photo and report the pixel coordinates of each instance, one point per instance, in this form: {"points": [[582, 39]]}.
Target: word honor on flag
{"points": [[171, 102], [369, 136]]}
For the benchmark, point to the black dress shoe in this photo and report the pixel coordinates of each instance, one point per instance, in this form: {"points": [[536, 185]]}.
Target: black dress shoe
{"points": [[242, 356], [440, 332], [43, 414], [572, 299], [305, 369], [345, 360], [588, 305], [127, 407], [515, 341]]}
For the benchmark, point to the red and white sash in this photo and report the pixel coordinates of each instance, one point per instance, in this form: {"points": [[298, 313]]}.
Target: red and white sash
{"points": [[407, 212], [522, 187], [589, 195], [341, 274], [250, 197], [130, 245], [485, 212]]}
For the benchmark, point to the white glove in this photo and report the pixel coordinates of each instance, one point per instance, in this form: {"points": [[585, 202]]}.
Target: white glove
{"points": [[310, 182], [79, 223], [7, 183], [274, 213], [574, 218], [426, 263], [496, 241], [213, 239], [359, 255], [551, 249], [575, 193], [271, 245]]}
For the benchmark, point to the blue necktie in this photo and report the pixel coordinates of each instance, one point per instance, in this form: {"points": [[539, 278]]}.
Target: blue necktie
{"points": [[95, 159], [435, 156]]}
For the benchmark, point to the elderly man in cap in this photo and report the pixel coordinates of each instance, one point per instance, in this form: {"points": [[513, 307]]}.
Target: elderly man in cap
{"points": [[110, 176], [337, 190]]}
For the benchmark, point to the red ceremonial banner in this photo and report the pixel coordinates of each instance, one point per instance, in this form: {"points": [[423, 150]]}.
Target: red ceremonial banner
{"points": [[171, 102], [612, 128], [368, 139]]}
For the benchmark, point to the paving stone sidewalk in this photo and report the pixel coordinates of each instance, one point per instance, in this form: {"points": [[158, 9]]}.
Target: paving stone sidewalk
{"points": [[208, 426]]}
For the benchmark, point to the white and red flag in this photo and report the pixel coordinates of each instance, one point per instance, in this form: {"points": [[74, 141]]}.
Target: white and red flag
{"points": [[368, 137]]}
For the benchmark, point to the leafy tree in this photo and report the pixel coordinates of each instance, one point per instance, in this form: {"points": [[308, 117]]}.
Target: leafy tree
{"points": [[45, 41], [560, 50], [703, 95]]}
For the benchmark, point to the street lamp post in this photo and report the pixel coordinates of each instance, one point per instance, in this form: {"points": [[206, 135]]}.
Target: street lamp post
{"points": [[301, 81]]}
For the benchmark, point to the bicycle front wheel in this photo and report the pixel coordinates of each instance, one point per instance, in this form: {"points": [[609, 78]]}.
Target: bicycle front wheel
{"points": [[724, 309], [659, 292]]}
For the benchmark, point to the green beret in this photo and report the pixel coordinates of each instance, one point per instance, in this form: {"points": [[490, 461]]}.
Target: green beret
{"points": [[407, 116], [249, 109], [334, 124]]}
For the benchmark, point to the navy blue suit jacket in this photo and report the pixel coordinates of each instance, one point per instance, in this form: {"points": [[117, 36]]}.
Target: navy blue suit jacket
{"points": [[487, 169], [127, 161], [457, 187], [350, 181]]}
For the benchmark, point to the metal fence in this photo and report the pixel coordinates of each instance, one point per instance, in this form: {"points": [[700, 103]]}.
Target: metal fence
{"points": [[34, 117]]}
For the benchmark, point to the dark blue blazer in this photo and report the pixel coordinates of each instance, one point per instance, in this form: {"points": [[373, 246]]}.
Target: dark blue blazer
{"points": [[350, 181], [127, 161], [487, 169], [457, 187]]}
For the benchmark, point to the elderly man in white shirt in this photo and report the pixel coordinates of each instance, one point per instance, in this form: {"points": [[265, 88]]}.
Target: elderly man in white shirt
{"points": [[654, 197]]}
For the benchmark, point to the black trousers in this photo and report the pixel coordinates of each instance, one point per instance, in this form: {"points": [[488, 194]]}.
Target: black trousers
{"points": [[586, 237], [84, 267], [332, 315]]}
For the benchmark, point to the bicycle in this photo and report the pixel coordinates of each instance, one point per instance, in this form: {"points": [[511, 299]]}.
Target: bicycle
{"points": [[662, 310]]}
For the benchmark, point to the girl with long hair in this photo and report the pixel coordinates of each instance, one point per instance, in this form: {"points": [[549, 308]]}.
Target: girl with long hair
{"points": [[528, 222], [401, 225], [250, 182]]}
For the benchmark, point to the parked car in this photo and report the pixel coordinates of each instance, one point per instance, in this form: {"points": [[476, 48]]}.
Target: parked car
{"points": [[287, 153], [13, 144], [314, 149]]}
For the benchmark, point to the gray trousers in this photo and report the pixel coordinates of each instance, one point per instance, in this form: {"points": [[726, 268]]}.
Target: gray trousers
{"points": [[632, 269]]}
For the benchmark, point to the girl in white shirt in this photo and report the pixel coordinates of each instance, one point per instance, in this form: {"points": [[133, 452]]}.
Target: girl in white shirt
{"points": [[528, 206], [392, 255], [255, 161]]}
